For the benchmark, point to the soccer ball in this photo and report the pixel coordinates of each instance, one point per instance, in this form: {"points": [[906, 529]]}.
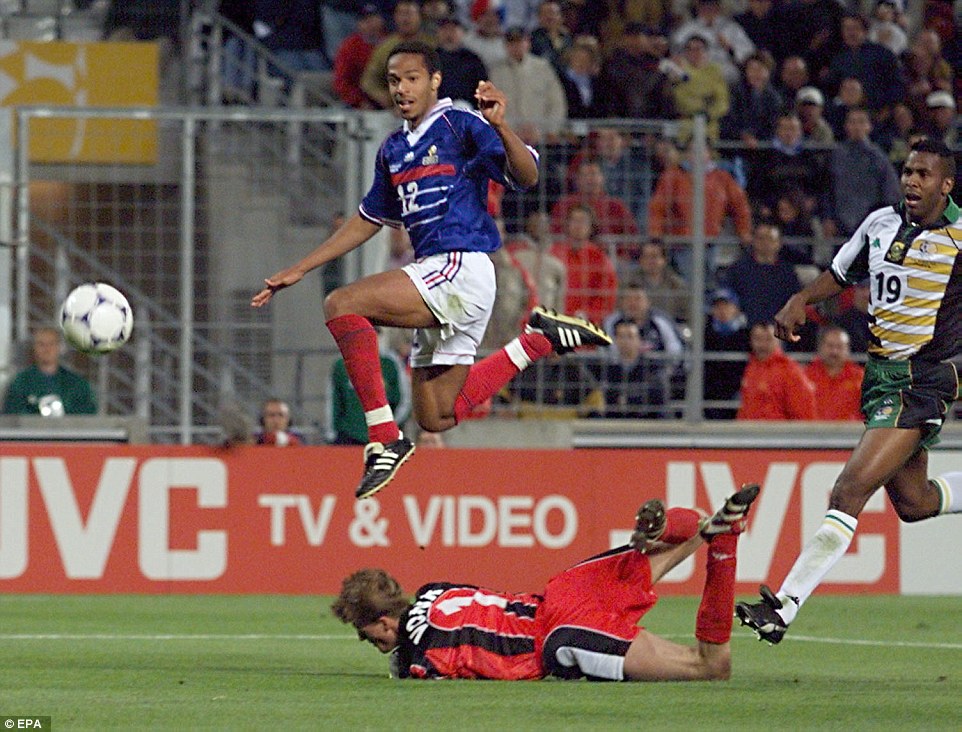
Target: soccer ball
{"points": [[96, 318]]}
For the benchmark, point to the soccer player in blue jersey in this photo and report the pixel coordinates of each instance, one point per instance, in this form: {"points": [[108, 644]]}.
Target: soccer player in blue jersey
{"points": [[431, 177], [910, 253]]}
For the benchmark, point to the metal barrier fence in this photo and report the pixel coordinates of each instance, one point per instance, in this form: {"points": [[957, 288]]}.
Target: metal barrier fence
{"points": [[232, 195]]}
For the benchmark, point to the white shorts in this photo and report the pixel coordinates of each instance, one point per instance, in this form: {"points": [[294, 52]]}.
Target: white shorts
{"points": [[459, 288]]}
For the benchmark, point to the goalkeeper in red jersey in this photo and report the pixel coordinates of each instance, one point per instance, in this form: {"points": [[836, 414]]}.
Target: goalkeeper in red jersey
{"points": [[584, 624]]}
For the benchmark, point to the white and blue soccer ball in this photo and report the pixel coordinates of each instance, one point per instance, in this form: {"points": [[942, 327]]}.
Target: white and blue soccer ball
{"points": [[96, 318]]}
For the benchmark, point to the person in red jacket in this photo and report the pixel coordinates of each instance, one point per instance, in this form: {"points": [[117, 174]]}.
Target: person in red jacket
{"points": [[612, 216], [353, 55], [670, 212], [774, 386], [837, 378], [592, 289]]}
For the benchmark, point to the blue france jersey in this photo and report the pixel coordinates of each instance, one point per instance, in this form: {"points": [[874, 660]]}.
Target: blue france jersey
{"points": [[434, 182]]}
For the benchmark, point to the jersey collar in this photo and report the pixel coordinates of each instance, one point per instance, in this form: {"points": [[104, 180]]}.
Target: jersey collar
{"points": [[436, 111], [949, 216]]}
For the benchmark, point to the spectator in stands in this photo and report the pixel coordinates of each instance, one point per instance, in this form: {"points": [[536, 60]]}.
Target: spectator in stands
{"points": [[850, 94], [875, 66], [759, 23], [292, 30], [728, 46], [461, 69], [611, 215], [551, 38], [635, 386], [792, 76], [926, 71], [702, 89], [666, 289], [345, 415], [810, 108], [787, 164], [353, 56], [755, 103], [892, 134], [940, 119], [407, 27], [884, 27], [432, 13], [517, 294], [761, 279], [670, 210], [47, 387], [275, 422], [793, 220], [634, 85], [532, 251], [340, 19], [862, 177], [536, 99], [592, 284], [852, 316], [627, 173], [774, 387], [659, 334], [486, 38], [579, 80], [836, 377], [726, 331], [810, 29]]}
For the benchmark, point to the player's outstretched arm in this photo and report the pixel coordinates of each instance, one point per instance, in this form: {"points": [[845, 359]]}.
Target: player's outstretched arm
{"points": [[492, 104], [354, 232], [792, 315]]}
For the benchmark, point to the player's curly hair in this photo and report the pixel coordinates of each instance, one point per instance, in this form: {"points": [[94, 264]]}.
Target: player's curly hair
{"points": [[367, 595]]}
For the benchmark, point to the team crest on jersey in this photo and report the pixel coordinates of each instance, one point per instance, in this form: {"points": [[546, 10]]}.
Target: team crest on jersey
{"points": [[928, 247], [896, 253], [432, 157]]}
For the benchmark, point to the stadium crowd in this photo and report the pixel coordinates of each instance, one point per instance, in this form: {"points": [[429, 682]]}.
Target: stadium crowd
{"points": [[811, 107]]}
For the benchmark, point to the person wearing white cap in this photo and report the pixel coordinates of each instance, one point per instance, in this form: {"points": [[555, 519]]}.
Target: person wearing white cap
{"points": [[940, 121], [810, 107]]}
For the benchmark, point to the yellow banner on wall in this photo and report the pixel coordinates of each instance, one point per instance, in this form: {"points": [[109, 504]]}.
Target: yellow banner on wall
{"points": [[83, 75]]}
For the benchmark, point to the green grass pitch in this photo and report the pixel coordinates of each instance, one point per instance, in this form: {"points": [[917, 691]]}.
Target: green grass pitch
{"points": [[280, 663]]}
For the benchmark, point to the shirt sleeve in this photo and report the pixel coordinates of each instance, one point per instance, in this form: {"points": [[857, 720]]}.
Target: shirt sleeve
{"points": [[381, 205], [850, 265], [490, 155]]}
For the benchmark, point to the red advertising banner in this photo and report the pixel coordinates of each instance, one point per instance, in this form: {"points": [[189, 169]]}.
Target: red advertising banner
{"points": [[109, 519]]}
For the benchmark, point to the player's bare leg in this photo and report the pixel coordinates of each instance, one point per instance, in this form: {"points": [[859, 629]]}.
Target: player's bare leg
{"points": [[910, 492], [878, 458]]}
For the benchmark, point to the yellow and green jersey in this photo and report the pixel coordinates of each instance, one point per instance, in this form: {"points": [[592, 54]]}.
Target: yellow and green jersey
{"points": [[915, 276]]}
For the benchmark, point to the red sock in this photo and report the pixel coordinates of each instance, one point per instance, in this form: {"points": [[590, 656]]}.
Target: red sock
{"points": [[489, 375], [713, 623], [681, 524], [357, 339]]}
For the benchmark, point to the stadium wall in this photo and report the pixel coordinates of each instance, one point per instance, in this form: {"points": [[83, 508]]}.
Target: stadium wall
{"points": [[122, 519]]}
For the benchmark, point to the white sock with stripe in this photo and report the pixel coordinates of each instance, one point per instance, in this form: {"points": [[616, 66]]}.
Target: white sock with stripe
{"points": [[519, 357], [950, 490], [379, 416], [819, 555]]}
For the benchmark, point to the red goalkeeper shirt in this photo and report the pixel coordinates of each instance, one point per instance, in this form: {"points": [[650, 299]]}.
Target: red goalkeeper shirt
{"points": [[467, 632]]}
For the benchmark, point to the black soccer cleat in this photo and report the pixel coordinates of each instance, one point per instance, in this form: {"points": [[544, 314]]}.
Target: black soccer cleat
{"points": [[730, 518], [381, 463], [650, 524], [762, 617], [565, 332]]}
